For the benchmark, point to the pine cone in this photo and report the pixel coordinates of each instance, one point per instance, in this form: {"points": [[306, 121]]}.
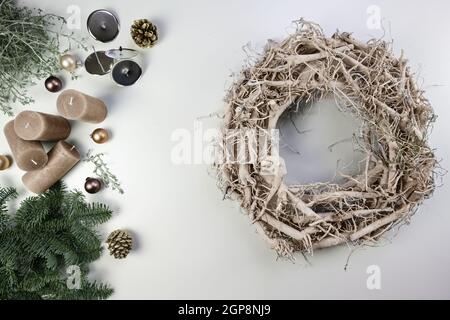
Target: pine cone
{"points": [[144, 33], [119, 244]]}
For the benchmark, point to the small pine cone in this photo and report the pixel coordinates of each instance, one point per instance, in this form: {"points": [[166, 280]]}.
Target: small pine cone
{"points": [[144, 33], [119, 243]]}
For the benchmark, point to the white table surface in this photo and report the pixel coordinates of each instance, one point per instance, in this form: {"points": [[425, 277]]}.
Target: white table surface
{"points": [[190, 243]]}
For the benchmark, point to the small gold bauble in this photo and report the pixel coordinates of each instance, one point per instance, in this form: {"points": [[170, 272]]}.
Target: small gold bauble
{"points": [[4, 162], [68, 62], [100, 135]]}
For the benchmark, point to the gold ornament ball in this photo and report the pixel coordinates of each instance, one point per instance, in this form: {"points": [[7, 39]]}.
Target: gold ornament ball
{"points": [[100, 135], [68, 62], [4, 162]]}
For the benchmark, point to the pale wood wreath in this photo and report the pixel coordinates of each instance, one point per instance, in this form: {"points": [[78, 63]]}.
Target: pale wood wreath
{"points": [[380, 90]]}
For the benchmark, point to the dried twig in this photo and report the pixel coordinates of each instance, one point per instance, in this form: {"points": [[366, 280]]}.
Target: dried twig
{"points": [[371, 84]]}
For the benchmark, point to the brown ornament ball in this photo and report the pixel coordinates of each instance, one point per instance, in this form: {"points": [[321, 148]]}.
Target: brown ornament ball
{"points": [[100, 135], [92, 185], [5, 163], [53, 84]]}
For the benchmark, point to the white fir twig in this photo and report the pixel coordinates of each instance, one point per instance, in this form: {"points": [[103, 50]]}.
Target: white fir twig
{"points": [[102, 171]]}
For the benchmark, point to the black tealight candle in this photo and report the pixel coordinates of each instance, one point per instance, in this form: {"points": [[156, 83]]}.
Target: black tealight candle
{"points": [[103, 25], [126, 72]]}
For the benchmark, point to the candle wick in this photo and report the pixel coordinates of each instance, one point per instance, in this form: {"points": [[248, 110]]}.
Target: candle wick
{"points": [[27, 125], [73, 147], [98, 60], [126, 72], [103, 26], [71, 101], [34, 162]]}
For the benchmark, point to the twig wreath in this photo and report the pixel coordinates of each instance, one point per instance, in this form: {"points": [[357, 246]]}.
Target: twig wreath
{"points": [[374, 86]]}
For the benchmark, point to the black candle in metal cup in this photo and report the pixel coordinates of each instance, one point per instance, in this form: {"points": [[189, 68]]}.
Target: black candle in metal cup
{"points": [[126, 71], [103, 25]]}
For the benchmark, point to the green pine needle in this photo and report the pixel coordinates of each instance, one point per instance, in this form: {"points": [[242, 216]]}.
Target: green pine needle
{"points": [[46, 235]]}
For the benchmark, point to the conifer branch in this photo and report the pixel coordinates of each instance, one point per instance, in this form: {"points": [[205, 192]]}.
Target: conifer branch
{"points": [[46, 235]]}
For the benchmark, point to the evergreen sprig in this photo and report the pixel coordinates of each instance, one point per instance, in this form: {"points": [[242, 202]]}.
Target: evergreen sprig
{"points": [[29, 50], [46, 235], [102, 171]]}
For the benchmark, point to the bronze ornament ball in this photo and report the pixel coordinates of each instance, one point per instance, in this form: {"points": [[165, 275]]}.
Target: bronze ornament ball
{"points": [[92, 185], [100, 135], [68, 62], [5, 163], [53, 84]]}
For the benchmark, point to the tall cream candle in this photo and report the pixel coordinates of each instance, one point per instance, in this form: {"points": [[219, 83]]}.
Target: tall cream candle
{"points": [[61, 158], [31, 125], [73, 104], [29, 155]]}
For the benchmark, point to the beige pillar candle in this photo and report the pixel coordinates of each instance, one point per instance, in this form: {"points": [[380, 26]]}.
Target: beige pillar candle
{"points": [[61, 158], [31, 125], [74, 104], [29, 155]]}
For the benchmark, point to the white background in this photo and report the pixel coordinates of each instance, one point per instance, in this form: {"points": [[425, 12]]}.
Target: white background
{"points": [[190, 243]]}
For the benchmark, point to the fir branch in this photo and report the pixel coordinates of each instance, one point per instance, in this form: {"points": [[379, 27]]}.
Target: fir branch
{"points": [[94, 214], [6, 194], [46, 235], [102, 171]]}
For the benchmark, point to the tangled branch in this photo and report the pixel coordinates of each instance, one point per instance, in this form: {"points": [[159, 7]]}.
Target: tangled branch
{"points": [[371, 84]]}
